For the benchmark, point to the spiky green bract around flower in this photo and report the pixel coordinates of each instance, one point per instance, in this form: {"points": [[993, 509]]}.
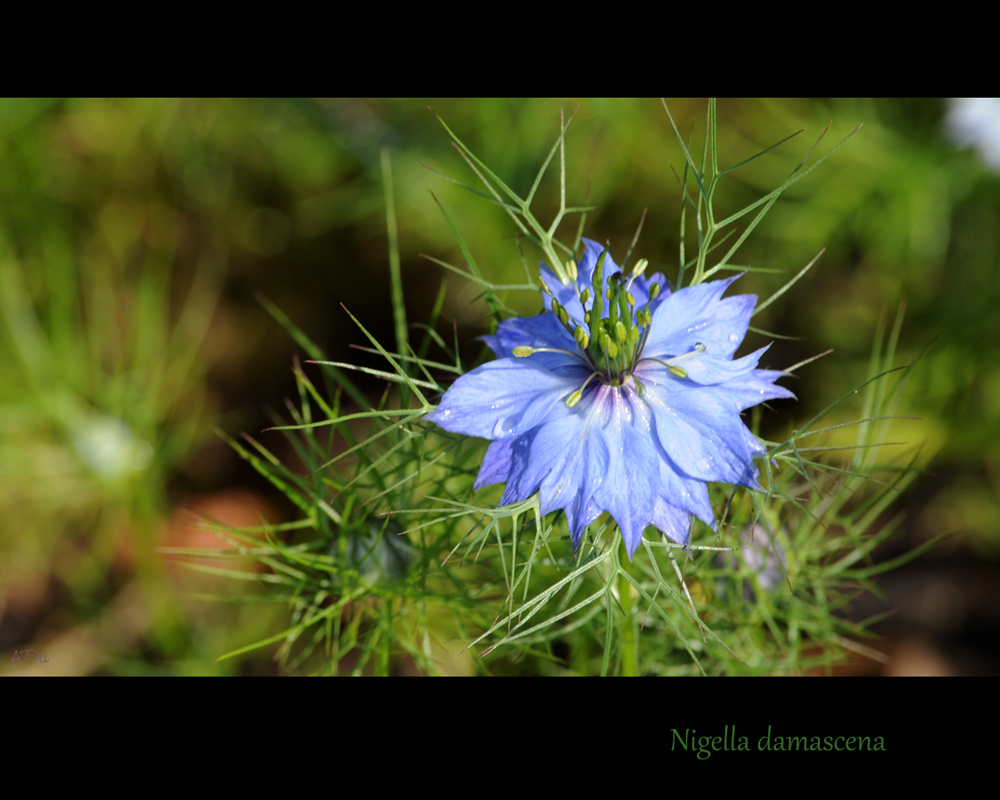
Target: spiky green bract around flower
{"points": [[622, 397]]}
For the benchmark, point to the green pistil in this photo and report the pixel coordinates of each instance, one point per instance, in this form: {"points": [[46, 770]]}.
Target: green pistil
{"points": [[611, 346]]}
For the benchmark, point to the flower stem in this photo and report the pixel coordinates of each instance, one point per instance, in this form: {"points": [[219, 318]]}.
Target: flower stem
{"points": [[630, 655]]}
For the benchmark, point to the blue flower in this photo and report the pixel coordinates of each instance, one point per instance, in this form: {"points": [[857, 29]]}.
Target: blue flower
{"points": [[622, 397]]}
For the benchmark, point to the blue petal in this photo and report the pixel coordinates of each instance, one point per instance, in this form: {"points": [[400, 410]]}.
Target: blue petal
{"points": [[629, 491], [567, 295], [706, 368], [575, 460], [640, 290], [754, 388], [543, 330], [522, 481], [505, 398], [674, 522], [697, 314], [686, 493], [702, 433], [496, 464]]}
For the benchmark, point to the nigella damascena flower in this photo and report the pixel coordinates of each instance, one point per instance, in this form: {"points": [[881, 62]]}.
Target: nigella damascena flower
{"points": [[622, 397]]}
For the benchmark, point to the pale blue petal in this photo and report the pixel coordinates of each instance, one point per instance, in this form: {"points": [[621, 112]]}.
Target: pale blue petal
{"points": [[681, 490], [674, 522], [576, 459], [706, 368], [702, 434], [543, 330], [629, 491], [496, 464], [503, 399], [640, 290], [697, 315], [754, 388], [579, 515], [567, 295], [523, 481]]}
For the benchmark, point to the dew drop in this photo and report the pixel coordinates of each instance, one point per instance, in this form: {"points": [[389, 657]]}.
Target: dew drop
{"points": [[733, 337], [504, 427]]}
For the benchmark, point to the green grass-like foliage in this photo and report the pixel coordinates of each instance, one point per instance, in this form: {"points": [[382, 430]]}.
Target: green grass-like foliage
{"points": [[394, 564]]}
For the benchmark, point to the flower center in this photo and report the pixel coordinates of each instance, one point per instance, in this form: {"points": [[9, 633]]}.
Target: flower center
{"points": [[610, 345]]}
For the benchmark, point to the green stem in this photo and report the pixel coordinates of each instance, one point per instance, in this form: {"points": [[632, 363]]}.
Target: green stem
{"points": [[630, 665]]}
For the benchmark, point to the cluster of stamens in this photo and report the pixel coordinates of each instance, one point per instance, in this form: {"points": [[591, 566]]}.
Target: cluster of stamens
{"points": [[611, 346]]}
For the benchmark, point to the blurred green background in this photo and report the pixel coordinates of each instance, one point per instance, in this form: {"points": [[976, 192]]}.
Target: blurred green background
{"points": [[135, 236]]}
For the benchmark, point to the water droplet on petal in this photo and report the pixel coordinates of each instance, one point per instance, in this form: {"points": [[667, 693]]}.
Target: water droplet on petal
{"points": [[733, 337], [504, 427]]}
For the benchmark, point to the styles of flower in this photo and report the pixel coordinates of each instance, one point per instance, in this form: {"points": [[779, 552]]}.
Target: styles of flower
{"points": [[621, 397]]}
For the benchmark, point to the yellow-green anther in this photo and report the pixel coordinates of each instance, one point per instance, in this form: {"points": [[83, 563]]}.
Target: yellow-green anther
{"points": [[654, 290], [574, 398], [571, 269], [584, 295], [639, 385], [586, 317], [630, 297], [678, 372], [640, 267], [545, 287], [633, 334], [581, 336], [620, 332], [605, 341], [523, 352], [612, 349], [563, 316], [607, 294]]}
